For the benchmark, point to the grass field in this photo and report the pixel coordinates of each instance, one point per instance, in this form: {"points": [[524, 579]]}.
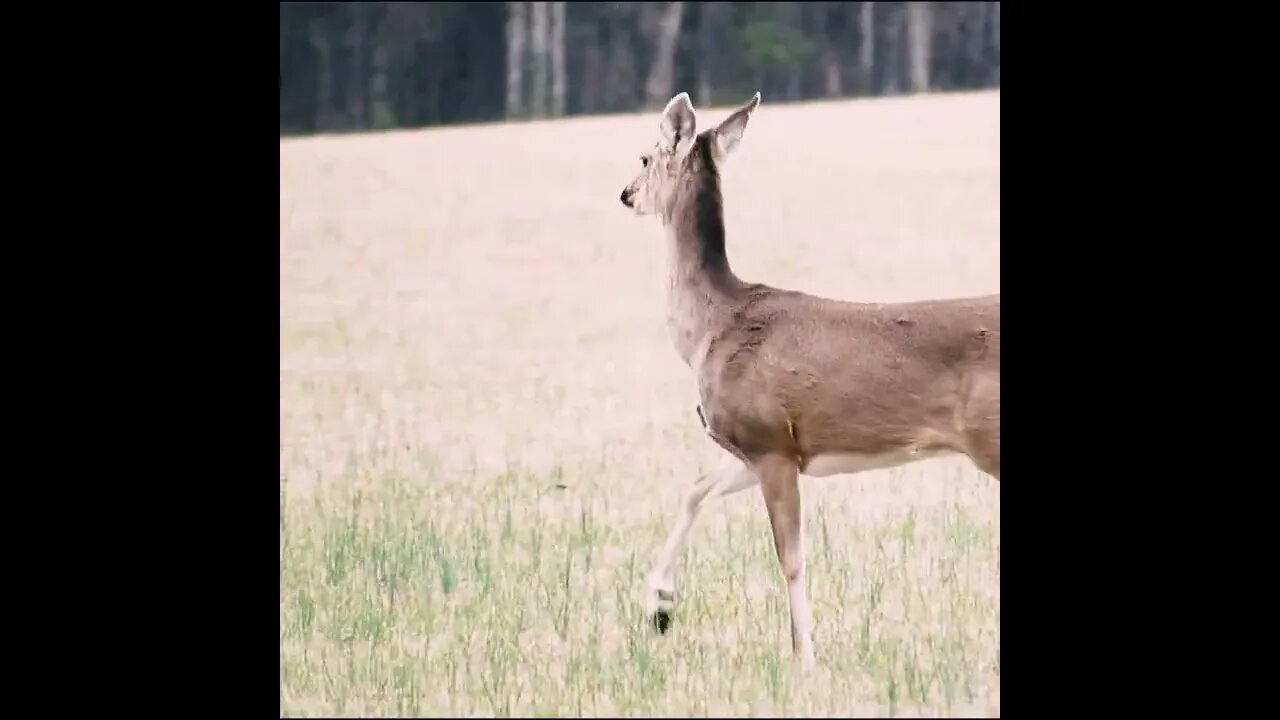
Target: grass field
{"points": [[486, 432]]}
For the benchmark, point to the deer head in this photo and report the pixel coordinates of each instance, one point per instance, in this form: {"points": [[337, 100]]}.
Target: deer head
{"points": [[671, 160]]}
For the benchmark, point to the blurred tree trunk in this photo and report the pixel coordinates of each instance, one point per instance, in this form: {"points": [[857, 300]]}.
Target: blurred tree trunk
{"points": [[559, 83], [426, 57], [591, 83], [323, 31], [867, 48], [620, 77], [994, 63], [795, 16], [832, 82], [710, 15], [661, 83], [829, 24], [516, 32], [539, 32], [381, 114], [322, 85], [356, 90], [973, 35], [895, 66], [919, 27], [403, 27]]}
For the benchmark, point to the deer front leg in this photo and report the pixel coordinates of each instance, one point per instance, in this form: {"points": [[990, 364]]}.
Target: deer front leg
{"points": [[779, 478], [729, 477]]}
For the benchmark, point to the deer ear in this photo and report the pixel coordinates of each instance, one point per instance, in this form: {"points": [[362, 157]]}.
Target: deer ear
{"points": [[729, 132], [679, 123]]}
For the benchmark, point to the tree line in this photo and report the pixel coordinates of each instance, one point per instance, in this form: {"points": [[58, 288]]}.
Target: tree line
{"points": [[375, 65]]}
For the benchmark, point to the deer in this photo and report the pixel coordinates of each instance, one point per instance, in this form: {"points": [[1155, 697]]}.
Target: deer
{"points": [[791, 383]]}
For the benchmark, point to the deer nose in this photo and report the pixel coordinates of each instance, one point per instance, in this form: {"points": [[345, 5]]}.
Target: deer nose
{"points": [[626, 198]]}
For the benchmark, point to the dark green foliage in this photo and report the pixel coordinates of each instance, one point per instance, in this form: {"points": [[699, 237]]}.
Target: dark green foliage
{"points": [[348, 66]]}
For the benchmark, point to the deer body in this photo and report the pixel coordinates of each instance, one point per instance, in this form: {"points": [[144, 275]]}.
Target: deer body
{"points": [[772, 381], [792, 383]]}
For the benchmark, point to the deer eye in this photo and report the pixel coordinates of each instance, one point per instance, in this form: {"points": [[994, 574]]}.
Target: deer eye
{"points": [[644, 161]]}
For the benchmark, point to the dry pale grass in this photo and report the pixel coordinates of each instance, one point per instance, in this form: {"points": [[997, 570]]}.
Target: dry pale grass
{"points": [[471, 316]]}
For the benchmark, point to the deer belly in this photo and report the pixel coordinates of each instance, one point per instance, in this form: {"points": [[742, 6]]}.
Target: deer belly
{"points": [[847, 463]]}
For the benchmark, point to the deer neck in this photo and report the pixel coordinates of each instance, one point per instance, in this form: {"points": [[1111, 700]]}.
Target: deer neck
{"points": [[701, 286]]}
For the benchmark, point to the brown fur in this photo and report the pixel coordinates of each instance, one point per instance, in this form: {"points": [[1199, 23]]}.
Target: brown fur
{"points": [[785, 377], [781, 371], [851, 378]]}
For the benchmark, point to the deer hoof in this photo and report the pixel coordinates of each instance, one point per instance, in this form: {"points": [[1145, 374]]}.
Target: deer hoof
{"points": [[663, 603], [661, 621]]}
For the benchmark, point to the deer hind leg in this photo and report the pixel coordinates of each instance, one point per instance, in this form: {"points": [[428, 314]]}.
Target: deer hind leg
{"points": [[729, 477], [779, 478], [982, 425]]}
